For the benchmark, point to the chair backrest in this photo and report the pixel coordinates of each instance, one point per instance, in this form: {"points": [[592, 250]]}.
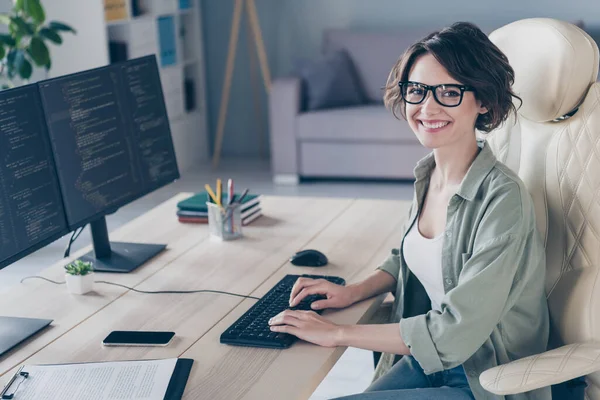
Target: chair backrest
{"points": [[554, 146]]}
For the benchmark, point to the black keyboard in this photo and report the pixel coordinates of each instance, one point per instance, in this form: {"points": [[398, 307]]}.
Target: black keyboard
{"points": [[252, 328]]}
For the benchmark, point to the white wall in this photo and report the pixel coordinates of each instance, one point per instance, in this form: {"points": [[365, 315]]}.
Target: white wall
{"points": [[89, 47]]}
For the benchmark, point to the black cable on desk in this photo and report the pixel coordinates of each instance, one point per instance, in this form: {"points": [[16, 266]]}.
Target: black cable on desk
{"points": [[149, 292], [72, 239]]}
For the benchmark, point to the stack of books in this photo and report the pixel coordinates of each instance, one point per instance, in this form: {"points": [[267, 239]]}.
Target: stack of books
{"points": [[194, 210]]}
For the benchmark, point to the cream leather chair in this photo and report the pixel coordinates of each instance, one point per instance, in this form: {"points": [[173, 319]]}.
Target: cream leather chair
{"points": [[558, 158]]}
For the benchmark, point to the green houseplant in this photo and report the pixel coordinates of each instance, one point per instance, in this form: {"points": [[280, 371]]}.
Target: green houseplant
{"points": [[25, 45], [79, 276]]}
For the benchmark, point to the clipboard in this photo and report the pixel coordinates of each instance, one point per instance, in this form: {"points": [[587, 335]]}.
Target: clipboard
{"points": [[179, 379], [175, 388]]}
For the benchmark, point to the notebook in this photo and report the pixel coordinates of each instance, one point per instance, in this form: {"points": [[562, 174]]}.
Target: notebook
{"points": [[198, 202]]}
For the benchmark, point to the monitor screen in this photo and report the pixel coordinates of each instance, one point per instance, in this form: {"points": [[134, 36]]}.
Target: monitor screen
{"points": [[31, 209], [111, 137]]}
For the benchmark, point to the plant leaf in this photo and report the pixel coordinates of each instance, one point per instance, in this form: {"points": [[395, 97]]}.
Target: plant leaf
{"points": [[2, 52], [25, 69], [35, 10], [7, 40], [51, 35], [38, 51], [59, 26], [10, 62], [19, 5], [4, 19], [22, 65], [48, 66], [19, 26]]}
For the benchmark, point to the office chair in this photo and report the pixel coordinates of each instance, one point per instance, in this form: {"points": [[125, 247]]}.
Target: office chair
{"points": [[554, 146]]}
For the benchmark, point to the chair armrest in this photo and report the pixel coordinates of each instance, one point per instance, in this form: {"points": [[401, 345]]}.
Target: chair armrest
{"points": [[284, 106], [544, 369]]}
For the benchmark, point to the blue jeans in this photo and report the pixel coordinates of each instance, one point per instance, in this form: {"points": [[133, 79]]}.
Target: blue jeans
{"points": [[407, 381]]}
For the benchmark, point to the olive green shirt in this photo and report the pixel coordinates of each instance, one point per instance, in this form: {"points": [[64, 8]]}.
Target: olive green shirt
{"points": [[493, 268]]}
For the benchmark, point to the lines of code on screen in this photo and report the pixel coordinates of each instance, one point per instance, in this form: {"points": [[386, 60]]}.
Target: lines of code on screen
{"points": [[111, 137], [31, 209]]}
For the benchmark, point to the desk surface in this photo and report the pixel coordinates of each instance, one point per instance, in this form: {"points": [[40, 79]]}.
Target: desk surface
{"points": [[356, 235]]}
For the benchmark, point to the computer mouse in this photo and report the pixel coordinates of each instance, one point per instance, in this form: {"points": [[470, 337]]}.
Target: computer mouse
{"points": [[309, 258]]}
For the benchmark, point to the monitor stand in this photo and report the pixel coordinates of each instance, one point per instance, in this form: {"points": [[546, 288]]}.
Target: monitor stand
{"points": [[117, 256]]}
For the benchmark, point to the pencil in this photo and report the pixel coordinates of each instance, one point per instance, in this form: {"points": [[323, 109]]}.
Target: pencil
{"points": [[211, 193], [219, 192]]}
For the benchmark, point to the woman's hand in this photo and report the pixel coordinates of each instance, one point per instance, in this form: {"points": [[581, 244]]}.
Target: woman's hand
{"points": [[337, 296], [307, 325]]}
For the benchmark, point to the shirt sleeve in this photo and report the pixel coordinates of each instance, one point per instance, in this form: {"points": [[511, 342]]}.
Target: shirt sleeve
{"points": [[470, 311], [391, 265]]}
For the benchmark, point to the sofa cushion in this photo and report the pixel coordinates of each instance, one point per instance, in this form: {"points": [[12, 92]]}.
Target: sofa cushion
{"points": [[364, 123], [373, 54], [330, 81]]}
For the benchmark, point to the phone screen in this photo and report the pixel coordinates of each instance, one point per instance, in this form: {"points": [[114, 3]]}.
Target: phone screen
{"points": [[139, 338]]}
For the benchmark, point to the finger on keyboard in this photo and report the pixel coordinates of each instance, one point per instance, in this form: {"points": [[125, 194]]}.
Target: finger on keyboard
{"points": [[300, 284]]}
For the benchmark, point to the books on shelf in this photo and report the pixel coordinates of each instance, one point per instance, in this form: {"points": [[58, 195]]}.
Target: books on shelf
{"points": [[194, 210]]}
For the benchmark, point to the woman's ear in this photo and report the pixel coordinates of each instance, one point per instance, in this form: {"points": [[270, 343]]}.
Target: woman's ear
{"points": [[482, 109]]}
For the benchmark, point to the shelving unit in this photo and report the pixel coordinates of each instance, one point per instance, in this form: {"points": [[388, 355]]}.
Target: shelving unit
{"points": [[172, 30]]}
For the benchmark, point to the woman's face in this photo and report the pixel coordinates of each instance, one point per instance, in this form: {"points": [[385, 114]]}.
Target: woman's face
{"points": [[437, 126]]}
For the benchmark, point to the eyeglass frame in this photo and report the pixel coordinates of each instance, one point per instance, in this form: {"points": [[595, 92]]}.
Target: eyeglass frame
{"points": [[428, 88]]}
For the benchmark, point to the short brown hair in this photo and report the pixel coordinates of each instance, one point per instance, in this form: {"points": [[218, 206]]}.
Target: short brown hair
{"points": [[469, 57]]}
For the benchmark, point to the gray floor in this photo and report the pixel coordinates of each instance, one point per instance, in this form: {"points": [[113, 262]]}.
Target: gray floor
{"points": [[354, 370]]}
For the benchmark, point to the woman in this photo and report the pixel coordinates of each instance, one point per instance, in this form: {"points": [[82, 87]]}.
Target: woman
{"points": [[469, 274]]}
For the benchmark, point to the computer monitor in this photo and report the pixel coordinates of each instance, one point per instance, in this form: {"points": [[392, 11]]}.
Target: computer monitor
{"points": [[31, 208], [112, 144]]}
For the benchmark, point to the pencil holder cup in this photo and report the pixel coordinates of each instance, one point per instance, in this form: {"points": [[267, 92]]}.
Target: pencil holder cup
{"points": [[225, 222]]}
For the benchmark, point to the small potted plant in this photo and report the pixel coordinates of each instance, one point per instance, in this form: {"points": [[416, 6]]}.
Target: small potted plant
{"points": [[79, 276]]}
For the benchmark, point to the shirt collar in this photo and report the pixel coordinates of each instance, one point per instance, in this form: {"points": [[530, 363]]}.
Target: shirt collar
{"points": [[479, 169]]}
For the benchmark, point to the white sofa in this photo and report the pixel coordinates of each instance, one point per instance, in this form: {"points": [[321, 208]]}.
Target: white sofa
{"points": [[356, 142]]}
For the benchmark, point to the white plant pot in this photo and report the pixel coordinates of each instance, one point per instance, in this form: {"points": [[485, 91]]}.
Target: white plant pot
{"points": [[78, 284]]}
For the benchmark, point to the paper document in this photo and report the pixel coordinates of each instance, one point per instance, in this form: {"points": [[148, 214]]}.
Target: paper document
{"points": [[140, 380]]}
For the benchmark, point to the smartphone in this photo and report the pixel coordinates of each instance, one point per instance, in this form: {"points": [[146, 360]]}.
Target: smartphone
{"points": [[138, 338]]}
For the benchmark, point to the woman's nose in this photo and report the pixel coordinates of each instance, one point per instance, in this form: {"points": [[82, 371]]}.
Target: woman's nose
{"points": [[430, 105]]}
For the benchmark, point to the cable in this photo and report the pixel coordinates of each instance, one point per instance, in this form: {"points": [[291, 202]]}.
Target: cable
{"points": [[148, 292], [73, 238]]}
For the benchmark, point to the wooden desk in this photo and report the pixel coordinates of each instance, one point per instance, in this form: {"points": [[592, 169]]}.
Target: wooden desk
{"points": [[356, 235]]}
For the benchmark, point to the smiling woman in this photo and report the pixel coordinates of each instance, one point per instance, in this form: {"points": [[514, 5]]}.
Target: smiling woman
{"points": [[468, 275]]}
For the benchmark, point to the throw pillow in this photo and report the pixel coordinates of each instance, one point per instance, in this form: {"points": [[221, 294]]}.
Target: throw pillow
{"points": [[330, 81]]}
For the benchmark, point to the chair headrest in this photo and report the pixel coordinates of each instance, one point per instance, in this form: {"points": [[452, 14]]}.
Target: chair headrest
{"points": [[555, 63]]}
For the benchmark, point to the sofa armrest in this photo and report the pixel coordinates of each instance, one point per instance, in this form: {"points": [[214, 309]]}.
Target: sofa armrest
{"points": [[284, 107], [544, 369]]}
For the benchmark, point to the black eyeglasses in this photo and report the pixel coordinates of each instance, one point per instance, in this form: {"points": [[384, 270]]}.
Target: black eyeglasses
{"points": [[447, 95]]}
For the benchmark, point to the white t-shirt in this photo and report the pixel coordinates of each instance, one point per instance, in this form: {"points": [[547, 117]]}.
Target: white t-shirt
{"points": [[424, 259]]}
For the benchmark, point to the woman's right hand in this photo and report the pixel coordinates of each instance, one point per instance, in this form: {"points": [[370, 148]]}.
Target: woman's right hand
{"points": [[337, 296]]}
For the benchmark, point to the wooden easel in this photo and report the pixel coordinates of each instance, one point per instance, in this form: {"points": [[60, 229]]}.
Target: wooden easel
{"points": [[254, 27]]}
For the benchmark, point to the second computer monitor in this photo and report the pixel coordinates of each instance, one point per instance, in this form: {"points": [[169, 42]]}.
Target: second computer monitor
{"points": [[112, 144], [110, 135]]}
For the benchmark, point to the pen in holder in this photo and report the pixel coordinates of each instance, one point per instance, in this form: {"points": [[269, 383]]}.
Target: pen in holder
{"points": [[225, 222]]}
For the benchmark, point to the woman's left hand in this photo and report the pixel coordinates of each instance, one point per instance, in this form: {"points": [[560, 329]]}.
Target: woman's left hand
{"points": [[307, 325]]}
